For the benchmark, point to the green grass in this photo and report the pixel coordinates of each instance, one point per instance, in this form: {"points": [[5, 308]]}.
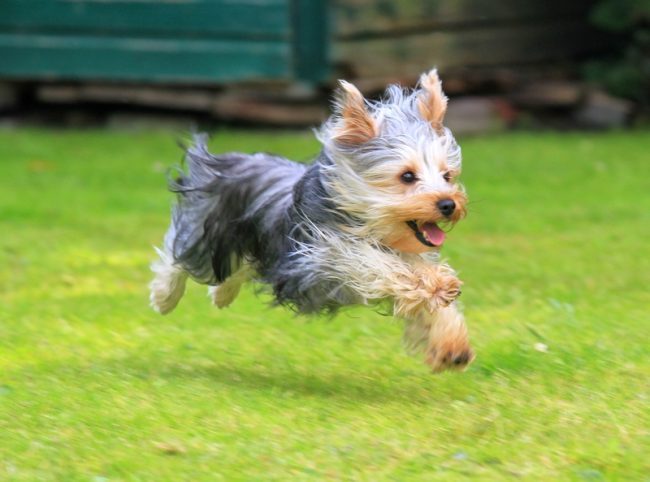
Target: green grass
{"points": [[96, 387]]}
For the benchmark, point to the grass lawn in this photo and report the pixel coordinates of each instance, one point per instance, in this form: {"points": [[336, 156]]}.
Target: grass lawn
{"points": [[94, 386]]}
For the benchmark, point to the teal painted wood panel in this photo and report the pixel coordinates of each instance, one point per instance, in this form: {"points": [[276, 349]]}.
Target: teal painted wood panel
{"points": [[310, 33], [163, 40], [111, 58], [220, 18]]}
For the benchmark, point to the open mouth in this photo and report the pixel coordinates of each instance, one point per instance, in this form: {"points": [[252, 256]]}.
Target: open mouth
{"points": [[428, 233]]}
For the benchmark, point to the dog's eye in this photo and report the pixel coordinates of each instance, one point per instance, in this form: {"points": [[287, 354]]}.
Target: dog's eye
{"points": [[408, 177], [447, 176]]}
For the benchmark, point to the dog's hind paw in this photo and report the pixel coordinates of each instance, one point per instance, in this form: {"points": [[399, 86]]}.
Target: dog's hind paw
{"points": [[168, 285], [223, 295]]}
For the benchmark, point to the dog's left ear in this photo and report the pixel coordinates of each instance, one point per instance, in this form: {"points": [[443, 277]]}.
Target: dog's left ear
{"points": [[355, 125], [432, 102]]}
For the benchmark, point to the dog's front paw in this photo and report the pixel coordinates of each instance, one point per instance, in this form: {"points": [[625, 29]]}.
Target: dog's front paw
{"points": [[427, 290], [446, 291], [450, 355]]}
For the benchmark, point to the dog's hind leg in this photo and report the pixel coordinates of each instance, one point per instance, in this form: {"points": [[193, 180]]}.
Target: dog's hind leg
{"points": [[225, 293], [168, 284]]}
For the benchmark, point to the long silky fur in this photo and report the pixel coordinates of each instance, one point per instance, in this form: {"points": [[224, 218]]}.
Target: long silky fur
{"points": [[311, 232]]}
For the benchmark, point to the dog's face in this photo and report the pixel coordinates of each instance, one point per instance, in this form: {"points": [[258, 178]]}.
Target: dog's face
{"points": [[395, 166]]}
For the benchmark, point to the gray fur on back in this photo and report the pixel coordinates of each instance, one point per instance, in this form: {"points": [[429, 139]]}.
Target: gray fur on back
{"points": [[234, 207]]}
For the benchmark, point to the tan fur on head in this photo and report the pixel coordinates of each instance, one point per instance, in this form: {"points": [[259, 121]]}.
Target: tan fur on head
{"points": [[356, 125], [432, 102], [422, 207]]}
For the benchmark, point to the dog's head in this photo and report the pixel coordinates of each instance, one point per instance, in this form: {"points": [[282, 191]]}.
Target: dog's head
{"points": [[395, 166]]}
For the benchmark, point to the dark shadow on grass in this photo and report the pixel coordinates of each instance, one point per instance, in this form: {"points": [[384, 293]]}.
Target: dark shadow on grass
{"points": [[412, 387], [390, 385], [269, 380], [277, 377]]}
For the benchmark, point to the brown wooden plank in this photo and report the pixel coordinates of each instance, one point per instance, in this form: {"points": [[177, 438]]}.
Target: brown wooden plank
{"points": [[195, 99], [255, 109], [359, 18]]}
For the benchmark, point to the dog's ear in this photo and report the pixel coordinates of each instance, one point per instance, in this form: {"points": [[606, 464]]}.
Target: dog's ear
{"points": [[355, 125], [432, 102]]}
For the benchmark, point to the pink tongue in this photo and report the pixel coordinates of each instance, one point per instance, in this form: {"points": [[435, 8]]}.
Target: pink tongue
{"points": [[434, 234]]}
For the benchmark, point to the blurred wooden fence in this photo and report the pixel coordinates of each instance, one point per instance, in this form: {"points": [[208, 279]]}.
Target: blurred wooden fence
{"points": [[252, 59], [221, 41], [380, 41]]}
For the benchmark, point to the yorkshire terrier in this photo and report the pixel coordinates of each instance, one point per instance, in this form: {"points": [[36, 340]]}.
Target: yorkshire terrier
{"points": [[361, 225]]}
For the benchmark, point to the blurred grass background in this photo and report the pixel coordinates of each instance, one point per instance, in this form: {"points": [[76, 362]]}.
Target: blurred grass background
{"points": [[95, 386]]}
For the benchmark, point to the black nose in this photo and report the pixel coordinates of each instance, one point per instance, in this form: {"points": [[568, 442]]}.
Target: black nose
{"points": [[446, 207]]}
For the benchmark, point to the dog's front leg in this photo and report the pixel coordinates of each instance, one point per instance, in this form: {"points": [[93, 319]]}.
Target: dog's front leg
{"points": [[443, 334], [375, 274], [425, 288], [448, 344], [427, 302]]}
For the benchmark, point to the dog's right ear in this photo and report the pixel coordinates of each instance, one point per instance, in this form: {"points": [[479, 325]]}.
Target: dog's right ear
{"points": [[354, 123]]}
